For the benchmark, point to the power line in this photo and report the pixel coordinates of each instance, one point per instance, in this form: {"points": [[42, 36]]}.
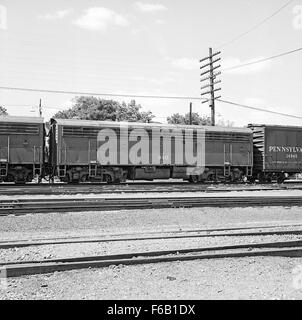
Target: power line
{"points": [[103, 94], [263, 60], [145, 96], [29, 106], [197, 98], [150, 96], [256, 26], [260, 109]]}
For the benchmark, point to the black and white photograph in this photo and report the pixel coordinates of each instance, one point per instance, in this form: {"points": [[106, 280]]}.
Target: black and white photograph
{"points": [[151, 152]]}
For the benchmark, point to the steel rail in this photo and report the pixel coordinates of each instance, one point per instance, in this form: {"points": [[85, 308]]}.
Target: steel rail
{"points": [[155, 236], [56, 189], [284, 248], [22, 206]]}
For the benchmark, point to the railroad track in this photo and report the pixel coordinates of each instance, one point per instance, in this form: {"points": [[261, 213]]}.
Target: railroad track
{"points": [[23, 206], [136, 187], [163, 235], [284, 249]]}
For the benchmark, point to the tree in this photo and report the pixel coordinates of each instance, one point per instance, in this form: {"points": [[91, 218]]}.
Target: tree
{"points": [[3, 111], [185, 119], [92, 108], [176, 118], [132, 113], [198, 120]]}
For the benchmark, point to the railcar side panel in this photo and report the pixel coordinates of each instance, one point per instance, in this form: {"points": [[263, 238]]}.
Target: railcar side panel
{"points": [[21, 143], [283, 149], [21, 148], [86, 149], [277, 149], [79, 149]]}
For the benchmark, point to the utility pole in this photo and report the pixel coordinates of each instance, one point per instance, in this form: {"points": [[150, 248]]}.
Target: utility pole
{"points": [[40, 109], [190, 113], [209, 68]]}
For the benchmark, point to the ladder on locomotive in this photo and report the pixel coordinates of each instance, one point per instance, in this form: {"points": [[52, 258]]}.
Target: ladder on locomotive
{"points": [[37, 166], [62, 168], [3, 168], [228, 150], [249, 171], [92, 164], [93, 168]]}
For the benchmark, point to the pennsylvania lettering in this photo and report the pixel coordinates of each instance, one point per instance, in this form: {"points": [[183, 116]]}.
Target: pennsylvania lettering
{"points": [[284, 149]]}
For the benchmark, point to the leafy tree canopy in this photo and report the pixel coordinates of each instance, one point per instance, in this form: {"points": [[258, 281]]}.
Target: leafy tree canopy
{"points": [[197, 119], [92, 108], [185, 119], [3, 111]]}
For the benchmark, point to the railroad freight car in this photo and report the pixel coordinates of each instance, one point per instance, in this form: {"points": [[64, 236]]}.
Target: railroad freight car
{"points": [[277, 151], [21, 148], [82, 150]]}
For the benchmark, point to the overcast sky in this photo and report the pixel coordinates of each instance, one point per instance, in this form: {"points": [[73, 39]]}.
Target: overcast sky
{"points": [[151, 47]]}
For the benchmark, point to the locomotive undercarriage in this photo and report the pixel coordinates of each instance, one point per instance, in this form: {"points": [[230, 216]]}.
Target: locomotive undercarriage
{"points": [[268, 177], [227, 174], [20, 173], [78, 174]]}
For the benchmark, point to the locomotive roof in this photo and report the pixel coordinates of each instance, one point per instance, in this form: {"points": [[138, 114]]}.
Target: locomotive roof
{"points": [[13, 119], [273, 126], [113, 124]]}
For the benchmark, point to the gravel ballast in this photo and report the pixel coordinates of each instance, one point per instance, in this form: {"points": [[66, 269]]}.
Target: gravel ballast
{"points": [[244, 278]]}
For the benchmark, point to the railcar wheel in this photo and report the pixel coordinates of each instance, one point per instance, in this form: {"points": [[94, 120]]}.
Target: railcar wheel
{"points": [[280, 178], [84, 178], [268, 178], [9, 178], [29, 177], [194, 179], [261, 177], [251, 179], [230, 178], [107, 178], [211, 178]]}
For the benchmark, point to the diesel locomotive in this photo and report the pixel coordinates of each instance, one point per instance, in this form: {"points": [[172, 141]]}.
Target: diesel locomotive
{"points": [[81, 150]]}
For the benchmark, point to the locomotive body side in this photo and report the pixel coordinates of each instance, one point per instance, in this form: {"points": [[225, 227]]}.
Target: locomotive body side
{"points": [[229, 152], [142, 151], [278, 151], [71, 151], [21, 148]]}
